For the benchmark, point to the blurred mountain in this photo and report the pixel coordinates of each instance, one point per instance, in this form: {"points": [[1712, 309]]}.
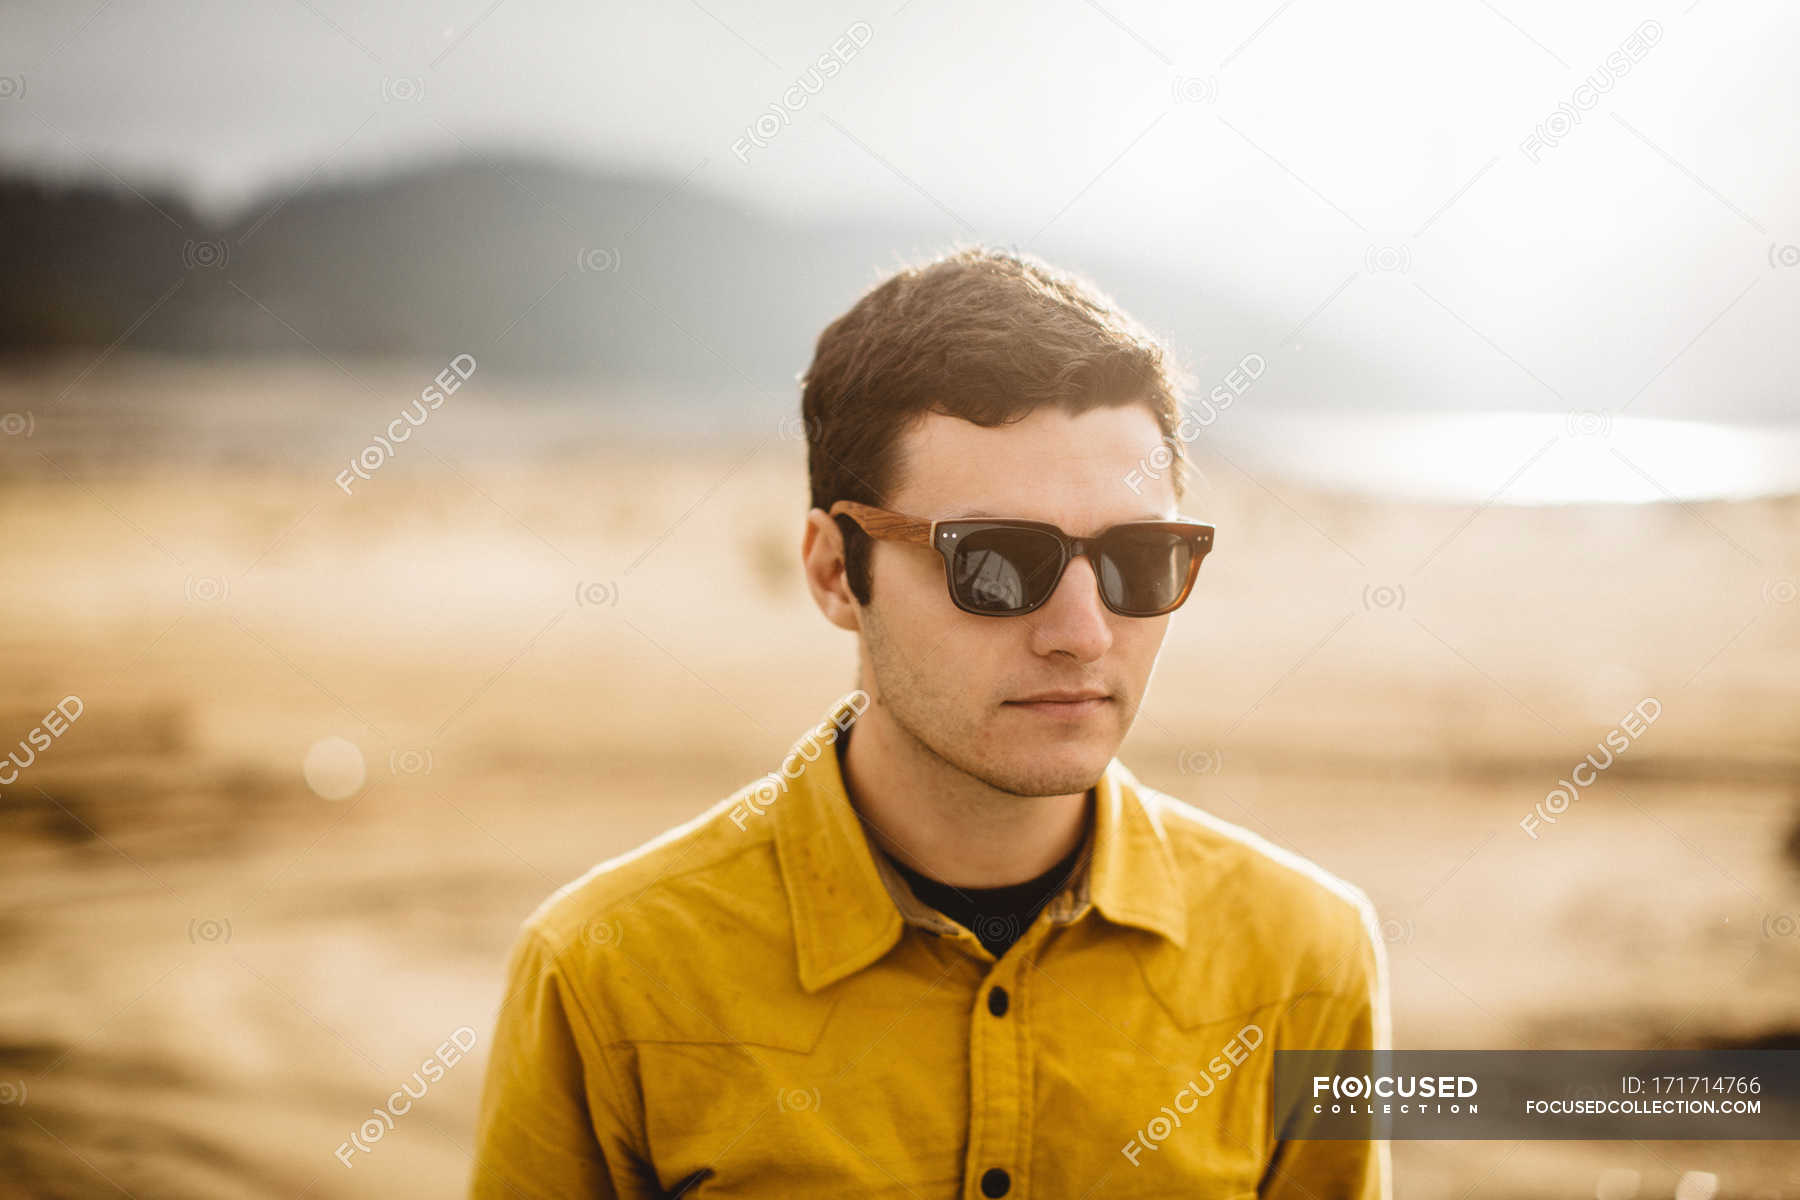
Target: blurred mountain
{"points": [[532, 266]]}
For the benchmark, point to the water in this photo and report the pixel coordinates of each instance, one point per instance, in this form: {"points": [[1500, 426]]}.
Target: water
{"points": [[1512, 458]]}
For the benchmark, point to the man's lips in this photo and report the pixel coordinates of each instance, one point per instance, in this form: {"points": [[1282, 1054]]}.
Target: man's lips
{"points": [[1063, 705]]}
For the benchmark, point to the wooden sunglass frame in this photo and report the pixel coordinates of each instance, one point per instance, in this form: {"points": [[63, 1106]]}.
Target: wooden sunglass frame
{"points": [[888, 526]]}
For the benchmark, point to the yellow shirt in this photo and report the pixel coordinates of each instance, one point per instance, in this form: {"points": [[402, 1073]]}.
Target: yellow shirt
{"points": [[754, 1004]]}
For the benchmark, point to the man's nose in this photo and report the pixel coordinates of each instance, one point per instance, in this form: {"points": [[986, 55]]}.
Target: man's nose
{"points": [[1074, 619]]}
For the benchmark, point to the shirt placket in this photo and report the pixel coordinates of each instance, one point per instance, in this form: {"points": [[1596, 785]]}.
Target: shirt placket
{"points": [[1000, 1051], [999, 1087], [1000, 1062]]}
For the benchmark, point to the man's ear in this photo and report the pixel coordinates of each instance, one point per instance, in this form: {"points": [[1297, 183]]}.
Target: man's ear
{"points": [[822, 560]]}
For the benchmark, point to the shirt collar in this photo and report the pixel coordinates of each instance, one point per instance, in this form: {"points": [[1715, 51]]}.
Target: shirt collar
{"points": [[849, 905]]}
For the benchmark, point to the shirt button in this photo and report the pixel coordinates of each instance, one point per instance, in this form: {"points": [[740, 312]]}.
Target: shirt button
{"points": [[997, 1001], [995, 1182]]}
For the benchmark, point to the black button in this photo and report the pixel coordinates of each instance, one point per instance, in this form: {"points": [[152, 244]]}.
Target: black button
{"points": [[997, 1001], [995, 1182]]}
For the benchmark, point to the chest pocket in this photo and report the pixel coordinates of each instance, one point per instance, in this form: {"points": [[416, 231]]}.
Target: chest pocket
{"points": [[865, 1092], [1168, 1103]]}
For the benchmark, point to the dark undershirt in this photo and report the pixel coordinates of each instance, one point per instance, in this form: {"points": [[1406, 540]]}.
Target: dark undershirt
{"points": [[998, 916]]}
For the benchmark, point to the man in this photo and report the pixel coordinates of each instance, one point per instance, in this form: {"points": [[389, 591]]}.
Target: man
{"points": [[950, 945]]}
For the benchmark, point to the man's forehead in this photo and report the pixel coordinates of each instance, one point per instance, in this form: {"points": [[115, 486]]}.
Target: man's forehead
{"points": [[1051, 465]]}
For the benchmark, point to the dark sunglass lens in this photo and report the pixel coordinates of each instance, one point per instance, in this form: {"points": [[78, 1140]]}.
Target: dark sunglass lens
{"points": [[1004, 570], [1142, 570]]}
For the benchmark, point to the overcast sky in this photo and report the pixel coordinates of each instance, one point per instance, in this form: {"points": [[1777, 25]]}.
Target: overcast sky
{"points": [[1635, 246]]}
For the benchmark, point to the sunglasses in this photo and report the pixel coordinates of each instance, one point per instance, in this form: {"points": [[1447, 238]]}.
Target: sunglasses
{"points": [[1006, 567]]}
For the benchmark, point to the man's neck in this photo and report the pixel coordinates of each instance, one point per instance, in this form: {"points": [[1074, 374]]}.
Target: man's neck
{"points": [[947, 824]]}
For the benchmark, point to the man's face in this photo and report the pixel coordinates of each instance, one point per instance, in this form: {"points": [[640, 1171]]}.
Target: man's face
{"points": [[953, 680]]}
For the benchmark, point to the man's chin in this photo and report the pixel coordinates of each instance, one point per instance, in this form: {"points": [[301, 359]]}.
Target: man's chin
{"points": [[1058, 771]]}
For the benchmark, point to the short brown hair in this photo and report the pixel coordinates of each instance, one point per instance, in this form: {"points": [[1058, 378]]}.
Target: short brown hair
{"points": [[980, 333]]}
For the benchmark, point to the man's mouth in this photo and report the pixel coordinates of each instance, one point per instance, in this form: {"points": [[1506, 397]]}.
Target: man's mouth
{"points": [[1068, 703]]}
